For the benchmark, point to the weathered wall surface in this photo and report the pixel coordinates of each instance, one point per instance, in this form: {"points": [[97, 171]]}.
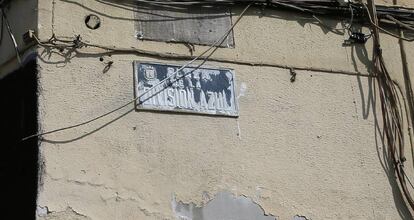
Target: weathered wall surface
{"points": [[404, 3], [307, 148]]}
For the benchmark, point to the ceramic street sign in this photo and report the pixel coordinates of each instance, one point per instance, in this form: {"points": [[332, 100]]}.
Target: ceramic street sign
{"points": [[193, 90]]}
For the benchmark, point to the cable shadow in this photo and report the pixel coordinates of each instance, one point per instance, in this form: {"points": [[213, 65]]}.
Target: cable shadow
{"points": [[88, 133], [48, 52], [326, 25], [126, 113], [153, 12], [359, 54], [148, 10], [384, 156], [138, 100], [386, 162], [362, 56]]}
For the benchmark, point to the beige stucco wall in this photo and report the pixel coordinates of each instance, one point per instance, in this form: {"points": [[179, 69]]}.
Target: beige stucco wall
{"points": [[305, 148], [403, 3]]}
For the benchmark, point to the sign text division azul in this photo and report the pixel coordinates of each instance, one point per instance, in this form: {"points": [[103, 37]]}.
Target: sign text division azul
{"points": [[194, 90]]}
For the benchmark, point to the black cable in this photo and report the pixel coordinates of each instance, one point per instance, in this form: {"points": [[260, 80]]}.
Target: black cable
{"points": [[314, 7], [1, 24], [77, 43], [391, 110], [13, 39]]}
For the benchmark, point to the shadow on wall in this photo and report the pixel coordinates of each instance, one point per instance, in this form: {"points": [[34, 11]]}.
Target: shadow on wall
{"points": [[70, 53], [301, 18], [19, 162], [385, 158], [327, 25], [359, 55], [147, 8], [369, 101]]}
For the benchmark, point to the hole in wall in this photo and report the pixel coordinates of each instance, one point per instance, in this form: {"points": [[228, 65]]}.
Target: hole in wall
{"points": [[92, 21]]}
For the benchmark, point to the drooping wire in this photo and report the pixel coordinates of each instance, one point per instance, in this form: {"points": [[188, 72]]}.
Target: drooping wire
{"points": [[9, 29], [1, 26], [391, 110], [166, 81], [348, 28], [382, 29]]}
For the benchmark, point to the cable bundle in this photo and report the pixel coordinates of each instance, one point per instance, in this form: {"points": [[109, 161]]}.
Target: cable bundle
{"points": [[392, 113], [402, 16]]}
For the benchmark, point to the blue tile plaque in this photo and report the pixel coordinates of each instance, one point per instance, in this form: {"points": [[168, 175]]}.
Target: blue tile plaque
{"points": [[193, 90]]}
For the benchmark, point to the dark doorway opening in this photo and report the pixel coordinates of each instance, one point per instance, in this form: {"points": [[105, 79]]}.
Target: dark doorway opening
{"points": [[19, 160]]}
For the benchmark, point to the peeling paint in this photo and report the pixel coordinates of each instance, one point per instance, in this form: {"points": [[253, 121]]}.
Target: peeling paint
{"points": [[224, 206], [242, 91], [187, 154], [300, 217], [42, 211], [68, 214]]}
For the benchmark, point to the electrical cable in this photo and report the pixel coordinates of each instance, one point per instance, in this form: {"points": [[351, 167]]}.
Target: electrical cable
{"points": [[391, 109], [338, 29], [1, 26], [399, 22], [408, 179], [185, 2], [116, 50], [11, 36], [407, 115], [390, 103], [78, 43], [214, 45], [382, 29]]}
